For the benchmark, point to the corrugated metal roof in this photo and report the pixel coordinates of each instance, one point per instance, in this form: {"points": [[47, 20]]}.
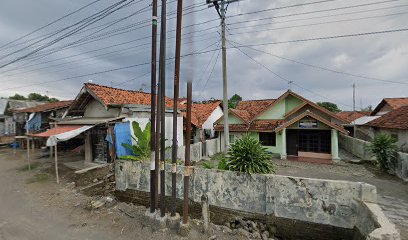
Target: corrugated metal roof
{"points": [[88, 121]]}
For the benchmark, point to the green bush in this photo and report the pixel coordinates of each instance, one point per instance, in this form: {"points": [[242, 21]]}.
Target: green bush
{"points": [[384, 148], [249, 156]]}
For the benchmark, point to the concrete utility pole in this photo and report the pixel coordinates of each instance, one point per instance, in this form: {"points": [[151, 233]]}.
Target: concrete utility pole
{"points": [[153, 169], [175, 102], [354, 97], [162, 73], [221, 8]]}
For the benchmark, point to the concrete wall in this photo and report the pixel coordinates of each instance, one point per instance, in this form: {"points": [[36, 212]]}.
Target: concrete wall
{"points": [[359, 148], [368, 133], [326, 202], [196, 150], [97, 110]]}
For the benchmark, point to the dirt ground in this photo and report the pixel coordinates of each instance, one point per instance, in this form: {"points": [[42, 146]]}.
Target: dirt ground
{"points": [[392, 191], [34, 207]]}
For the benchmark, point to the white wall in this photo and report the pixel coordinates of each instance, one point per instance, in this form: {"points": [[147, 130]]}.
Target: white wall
{"points": [[97, 110], [215, 115], [169, 128]]}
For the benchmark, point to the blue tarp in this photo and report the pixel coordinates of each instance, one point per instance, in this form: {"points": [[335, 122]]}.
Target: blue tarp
{"points": [[34, 124], [122, 135]]}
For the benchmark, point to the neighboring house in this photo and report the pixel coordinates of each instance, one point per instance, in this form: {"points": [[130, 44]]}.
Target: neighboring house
{"points": [[41, 116], [288, 126], [14, 123], [394, 123], [203, 117], [352, 119], [366, 131], [100, 117], [389, 104]]}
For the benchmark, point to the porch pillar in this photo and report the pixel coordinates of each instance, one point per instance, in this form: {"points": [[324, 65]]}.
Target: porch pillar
{"points": [[283, 150], [88, 147], [335, 145]]}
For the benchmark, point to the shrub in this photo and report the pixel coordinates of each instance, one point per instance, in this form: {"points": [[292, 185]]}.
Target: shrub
{"points": [[249, 156], [384, 148]]}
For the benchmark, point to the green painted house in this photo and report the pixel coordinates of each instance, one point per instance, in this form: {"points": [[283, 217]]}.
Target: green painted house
{"points": [[289, 126]]}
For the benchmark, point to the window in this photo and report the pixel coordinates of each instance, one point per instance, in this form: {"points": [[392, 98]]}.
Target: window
{"points": [[231, 138], [267, 138]]}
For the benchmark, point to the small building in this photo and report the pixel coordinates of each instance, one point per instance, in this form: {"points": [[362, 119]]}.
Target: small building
{"points": [[389, 104], [100, 117], [203, 117], [394, 123], [351, 118], [289, 126], [12, 123], [41, 116]]}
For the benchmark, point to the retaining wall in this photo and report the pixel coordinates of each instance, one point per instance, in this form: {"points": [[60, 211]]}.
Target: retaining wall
{"points": [[359, 148], [331, 203]]}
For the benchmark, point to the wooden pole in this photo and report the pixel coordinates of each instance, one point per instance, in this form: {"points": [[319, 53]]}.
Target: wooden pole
{"points": [[187, 153], [28, 145], [56, 158]]}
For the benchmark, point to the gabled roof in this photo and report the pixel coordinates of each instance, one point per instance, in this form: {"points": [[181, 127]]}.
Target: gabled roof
{"points": [[200, 112], [394, 103], [396, 119], [289, 92], [110, 96], [351, 116], [312, 115], [46, 107], [253, 107]]}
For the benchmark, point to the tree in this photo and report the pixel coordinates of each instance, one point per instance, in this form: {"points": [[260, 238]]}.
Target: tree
{"points": [[369, 108], [18, 97], [34, 97], [384, 148], [234, 100], [249, 156], [332, 107]]}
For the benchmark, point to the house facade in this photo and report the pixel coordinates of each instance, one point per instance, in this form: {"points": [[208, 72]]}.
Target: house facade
{"points": [[203, 117], [289, 126]]}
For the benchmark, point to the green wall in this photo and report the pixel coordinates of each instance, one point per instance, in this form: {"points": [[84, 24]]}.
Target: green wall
{"points": [[291, 103], [232, 119]]}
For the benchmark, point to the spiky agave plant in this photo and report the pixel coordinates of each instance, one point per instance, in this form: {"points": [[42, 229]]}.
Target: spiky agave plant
{"points": [[384, 148], [249, 156]]}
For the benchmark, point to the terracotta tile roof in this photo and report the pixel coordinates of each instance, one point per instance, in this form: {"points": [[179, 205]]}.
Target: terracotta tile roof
{"points": [[397, 119], [233, 127], [265, 125], [243, 114], [200, 112], [350, 116], [46, 107], [115, 96], [253, 107], [396, 102]]}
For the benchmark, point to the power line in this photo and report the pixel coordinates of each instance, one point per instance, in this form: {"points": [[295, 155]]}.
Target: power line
{"points": [[49, 24], [316, 24], [329, 37], [324, 68], [106, 71], [280, 76]]}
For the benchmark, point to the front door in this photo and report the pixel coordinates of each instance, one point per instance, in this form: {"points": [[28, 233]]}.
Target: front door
{"points": [[292, 142]]}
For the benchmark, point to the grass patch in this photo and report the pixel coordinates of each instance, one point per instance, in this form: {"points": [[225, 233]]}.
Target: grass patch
{"points": [[25, 167], [39, 177]]}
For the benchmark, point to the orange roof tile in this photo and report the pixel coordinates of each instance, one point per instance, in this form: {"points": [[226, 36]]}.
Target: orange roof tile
{"points": [[253, 107], [200, 112], [397, 119], [350, 116], [114, 96], [46, 107], [396, 102]]}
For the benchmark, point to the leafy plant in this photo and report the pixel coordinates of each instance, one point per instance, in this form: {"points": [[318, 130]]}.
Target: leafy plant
{"points": [[207, 165], [222, 164], [384, 148], [141, 149], [249, 156]]}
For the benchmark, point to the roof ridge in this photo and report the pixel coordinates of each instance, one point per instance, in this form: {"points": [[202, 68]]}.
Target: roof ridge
{"points": [[121, 89]]}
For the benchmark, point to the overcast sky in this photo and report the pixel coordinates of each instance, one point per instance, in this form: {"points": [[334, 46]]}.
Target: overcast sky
{"points": [[380, 56]]}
